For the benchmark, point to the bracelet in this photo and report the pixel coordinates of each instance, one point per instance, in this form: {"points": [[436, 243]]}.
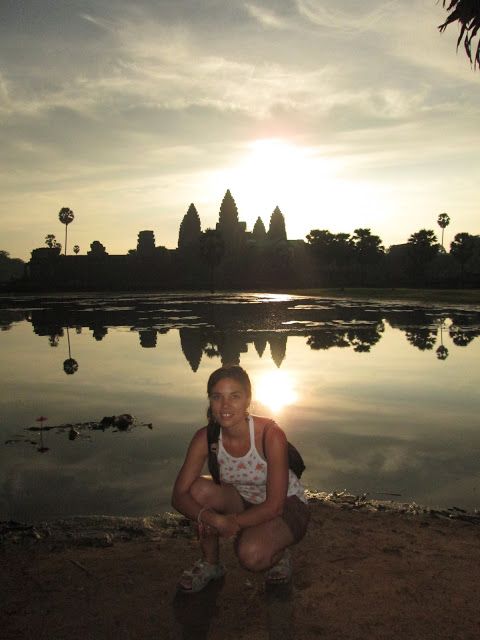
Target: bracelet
{"points": [[199, 517]]}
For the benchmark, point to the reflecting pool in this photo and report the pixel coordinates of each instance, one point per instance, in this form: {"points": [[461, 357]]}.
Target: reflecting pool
{"points": [[381, 398]]}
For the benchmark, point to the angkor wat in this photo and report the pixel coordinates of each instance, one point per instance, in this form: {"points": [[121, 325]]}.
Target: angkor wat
{"points": [[230, 257], [227, 256]]}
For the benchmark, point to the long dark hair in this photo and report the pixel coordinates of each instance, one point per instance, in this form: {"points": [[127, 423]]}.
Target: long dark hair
{"points": [[234, 372]]}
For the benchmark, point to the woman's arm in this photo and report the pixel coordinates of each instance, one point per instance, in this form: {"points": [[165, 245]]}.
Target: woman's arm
{"points": [[276, 453], [181, 498], [191, 470]]}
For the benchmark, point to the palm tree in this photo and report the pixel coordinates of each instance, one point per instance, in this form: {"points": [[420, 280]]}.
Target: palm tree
{"points": [[443, 221], [70, 365], [467, 14], [51, 241], [422, 249], [463, 248], [442, 351], [66, 216]]}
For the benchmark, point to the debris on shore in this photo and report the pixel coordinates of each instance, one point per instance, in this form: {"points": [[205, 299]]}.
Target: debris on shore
{"points": [[345, 500], [104, 531], [95, 531]]}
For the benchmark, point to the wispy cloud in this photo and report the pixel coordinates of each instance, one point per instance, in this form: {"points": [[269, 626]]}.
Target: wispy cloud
{"points": [[265, 16], [404, 31], [102, 23], [5, 100], [358, 18], [165, 67]]}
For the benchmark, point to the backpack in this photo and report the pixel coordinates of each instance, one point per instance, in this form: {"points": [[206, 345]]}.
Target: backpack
{"points": [[295, 460]]}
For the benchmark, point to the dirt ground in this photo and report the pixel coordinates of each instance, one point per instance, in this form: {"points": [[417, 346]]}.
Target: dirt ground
{"points": [[357, 575]]}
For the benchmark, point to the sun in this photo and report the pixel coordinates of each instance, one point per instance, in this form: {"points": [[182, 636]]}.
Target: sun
{"points": [[272, 159], [278, 169], [274, 172], [314, 186], [275, 390]]}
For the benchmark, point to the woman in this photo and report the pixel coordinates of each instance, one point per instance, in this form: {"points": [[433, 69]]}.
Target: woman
{"points": [[259, 501]]}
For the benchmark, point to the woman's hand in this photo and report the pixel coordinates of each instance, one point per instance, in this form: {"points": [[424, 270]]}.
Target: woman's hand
{"points": [[227, 526]]}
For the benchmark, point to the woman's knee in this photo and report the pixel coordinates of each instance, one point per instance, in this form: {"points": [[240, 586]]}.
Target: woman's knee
{"points": [[202, 490], [252, 554]]}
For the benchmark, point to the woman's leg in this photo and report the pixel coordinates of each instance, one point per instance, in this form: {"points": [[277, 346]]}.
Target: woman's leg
{"points": [[260, 547], [221, 498]]}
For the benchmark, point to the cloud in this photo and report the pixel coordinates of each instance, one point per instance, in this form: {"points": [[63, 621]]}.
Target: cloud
{"points": [[5, 100], [165, 66], [98, 22], [353, 20], [113, 98], [266, 17], [171, 78]]}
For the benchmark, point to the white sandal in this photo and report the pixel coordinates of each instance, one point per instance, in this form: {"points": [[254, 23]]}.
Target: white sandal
{"points": [[281, 572], [199, 576]]}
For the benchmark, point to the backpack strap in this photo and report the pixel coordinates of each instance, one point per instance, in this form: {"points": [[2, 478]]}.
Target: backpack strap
{"points": [[295, 460], [213, 434]]}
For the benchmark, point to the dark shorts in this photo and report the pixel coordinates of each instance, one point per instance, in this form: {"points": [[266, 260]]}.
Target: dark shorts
{"points": [[296, 515]]}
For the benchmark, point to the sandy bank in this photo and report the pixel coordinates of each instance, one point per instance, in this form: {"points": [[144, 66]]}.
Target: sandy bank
{"points": [[364, 570]]}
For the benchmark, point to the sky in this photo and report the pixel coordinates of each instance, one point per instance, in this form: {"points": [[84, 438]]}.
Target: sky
{"points": [[345, 114]]}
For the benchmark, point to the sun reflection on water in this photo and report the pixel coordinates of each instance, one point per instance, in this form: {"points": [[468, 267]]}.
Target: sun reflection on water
{"points": [[275, 389]]}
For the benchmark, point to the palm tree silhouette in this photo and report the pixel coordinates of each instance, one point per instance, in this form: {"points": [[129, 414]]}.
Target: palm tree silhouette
{"points": [[467, 14], [66, 216], [70, 365], [443, 221], [442, 352], [50, 241]]}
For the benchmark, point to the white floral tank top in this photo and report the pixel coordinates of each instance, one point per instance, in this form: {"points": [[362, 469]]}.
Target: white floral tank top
{"points": [[249, 472]]}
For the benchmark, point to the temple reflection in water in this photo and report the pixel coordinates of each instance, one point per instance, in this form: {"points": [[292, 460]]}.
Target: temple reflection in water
{"points": [[223, 326]]}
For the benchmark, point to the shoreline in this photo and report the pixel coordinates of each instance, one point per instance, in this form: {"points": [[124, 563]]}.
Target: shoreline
{"points": [[104, 531]]}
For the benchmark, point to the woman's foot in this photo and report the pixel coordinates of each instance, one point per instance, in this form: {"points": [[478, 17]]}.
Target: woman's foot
{"points": [[281, 572], [196, 578]]}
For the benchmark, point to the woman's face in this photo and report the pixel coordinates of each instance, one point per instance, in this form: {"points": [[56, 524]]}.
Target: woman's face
{"points": [[229, 402]]}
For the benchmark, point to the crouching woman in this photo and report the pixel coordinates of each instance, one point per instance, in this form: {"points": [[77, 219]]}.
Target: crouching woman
{"points": [[258, 501]]}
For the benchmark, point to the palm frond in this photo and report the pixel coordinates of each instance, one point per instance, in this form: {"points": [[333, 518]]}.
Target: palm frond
{"points": [[467, 14]]}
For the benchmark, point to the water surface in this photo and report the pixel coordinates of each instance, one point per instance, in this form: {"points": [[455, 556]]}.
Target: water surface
{"points": [[380, 398]]}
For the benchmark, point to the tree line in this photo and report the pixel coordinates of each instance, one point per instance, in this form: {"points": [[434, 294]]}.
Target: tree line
{"points": [[361, 259]]}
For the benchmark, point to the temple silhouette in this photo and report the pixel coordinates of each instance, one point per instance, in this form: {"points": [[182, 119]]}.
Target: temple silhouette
{"points": [[224, 257], [229, 257]]}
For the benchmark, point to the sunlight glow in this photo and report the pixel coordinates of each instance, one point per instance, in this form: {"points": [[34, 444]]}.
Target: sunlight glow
{"points": [[275, 390], [276, 297], [305, 183]]}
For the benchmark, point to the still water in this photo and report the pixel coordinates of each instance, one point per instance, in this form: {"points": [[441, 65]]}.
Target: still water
{"points": [[381, 398]]}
